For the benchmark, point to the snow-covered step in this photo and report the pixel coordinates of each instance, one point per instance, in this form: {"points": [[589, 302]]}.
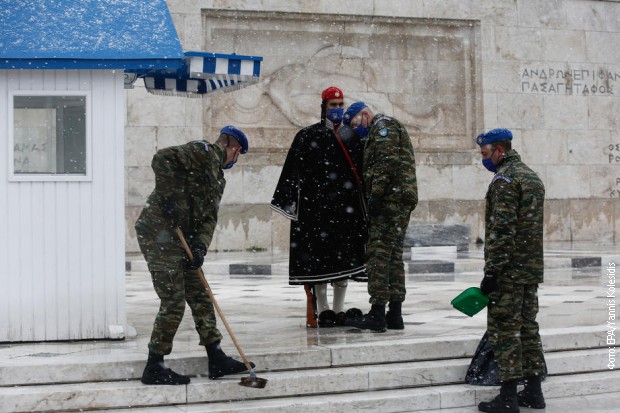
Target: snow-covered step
{"points": [[444, 253], [74, 368], [432, 398], [323, 381]]}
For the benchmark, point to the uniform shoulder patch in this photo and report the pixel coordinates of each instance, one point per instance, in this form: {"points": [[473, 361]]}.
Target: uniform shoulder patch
{"points": [[204, 144], [381, 124], [502, 177]]}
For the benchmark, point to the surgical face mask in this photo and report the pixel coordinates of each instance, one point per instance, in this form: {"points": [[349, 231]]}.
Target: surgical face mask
{"points": [[335, 114], [488, 163], [361, 131], [229, 165]]}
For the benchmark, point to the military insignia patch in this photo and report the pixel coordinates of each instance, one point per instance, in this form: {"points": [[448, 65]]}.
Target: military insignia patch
{"points": [[203, 144], [502, 177], [383, 132]]}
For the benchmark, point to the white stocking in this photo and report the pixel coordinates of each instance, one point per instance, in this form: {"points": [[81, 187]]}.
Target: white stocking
{"points": [[320, 291], [340, 289]]}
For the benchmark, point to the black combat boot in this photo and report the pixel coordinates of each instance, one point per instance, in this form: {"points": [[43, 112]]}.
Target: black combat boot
{"points": [[505, 402], [532, 396], [374, 320], [220, 364], [327, 318], [156, 372], [394, 317]]}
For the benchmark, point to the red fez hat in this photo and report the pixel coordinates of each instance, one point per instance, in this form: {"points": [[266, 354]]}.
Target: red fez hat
{"points": [[332, 92]]}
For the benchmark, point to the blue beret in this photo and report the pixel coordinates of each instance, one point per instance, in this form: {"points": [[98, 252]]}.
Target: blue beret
{"points": [[494, 135], [238, 135], [351, 111]]}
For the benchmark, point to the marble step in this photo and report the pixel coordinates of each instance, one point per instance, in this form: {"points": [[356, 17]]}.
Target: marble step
{"points": [[178, 398], [323, 381], [456, 397], [31, 369]]}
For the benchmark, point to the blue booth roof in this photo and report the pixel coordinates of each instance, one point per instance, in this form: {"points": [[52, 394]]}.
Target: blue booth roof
{"points": [[88, 34]]}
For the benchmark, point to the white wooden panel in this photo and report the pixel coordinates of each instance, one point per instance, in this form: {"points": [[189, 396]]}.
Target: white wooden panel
{"points": [[4, 133], [34, 252], [23, 236], [62, 251], [14, 286], [100, 123], [47, 322], [64, 241], [49, 258], [108, 200], [115, 308]]}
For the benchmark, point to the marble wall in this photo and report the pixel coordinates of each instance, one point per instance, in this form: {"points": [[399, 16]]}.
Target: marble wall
{"points": [[550, 71]]}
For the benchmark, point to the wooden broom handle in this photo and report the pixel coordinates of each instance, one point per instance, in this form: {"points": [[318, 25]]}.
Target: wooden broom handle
{"points": [[204, 282]]}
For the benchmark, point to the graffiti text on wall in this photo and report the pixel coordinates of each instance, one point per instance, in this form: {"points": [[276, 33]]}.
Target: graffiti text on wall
{"points": [[585, 82]]}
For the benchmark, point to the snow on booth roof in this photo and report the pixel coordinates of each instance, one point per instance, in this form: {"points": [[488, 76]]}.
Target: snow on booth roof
{"points": [[138, 37]]}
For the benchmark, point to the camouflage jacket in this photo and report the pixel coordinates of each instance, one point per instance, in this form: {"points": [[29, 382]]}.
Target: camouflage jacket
{"points": [[192, 174], [514, 223], [389, 165]]}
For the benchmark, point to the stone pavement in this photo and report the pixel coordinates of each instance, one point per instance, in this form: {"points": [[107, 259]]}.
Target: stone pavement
{"points": [[268, 315]]}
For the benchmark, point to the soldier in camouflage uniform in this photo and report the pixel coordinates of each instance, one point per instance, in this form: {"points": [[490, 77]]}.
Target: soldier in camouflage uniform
{"points": [[392, 194], [189, 182], [513, 269]]}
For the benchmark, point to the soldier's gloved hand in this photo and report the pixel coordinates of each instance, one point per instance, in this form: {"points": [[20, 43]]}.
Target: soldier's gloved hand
{"points": [[198, 251], [488, 284], [169, 210]]}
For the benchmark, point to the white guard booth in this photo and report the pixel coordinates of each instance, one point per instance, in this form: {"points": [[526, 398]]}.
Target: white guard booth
{"points": [[64, 66], [62, 115]]}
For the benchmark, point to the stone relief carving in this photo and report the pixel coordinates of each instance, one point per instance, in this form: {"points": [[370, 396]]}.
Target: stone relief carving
{"points": [[294, 89], [424, 76]]}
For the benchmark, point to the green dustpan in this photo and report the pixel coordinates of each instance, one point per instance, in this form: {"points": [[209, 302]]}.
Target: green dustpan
{"points": [[470, 301]]}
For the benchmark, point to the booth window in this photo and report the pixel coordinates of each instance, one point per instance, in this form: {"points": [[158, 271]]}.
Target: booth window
{"points": [[49, 137]]}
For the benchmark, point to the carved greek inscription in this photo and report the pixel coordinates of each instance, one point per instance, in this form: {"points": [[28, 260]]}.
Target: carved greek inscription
{"points": [[584, 82], [615, 192], [614, 153]]}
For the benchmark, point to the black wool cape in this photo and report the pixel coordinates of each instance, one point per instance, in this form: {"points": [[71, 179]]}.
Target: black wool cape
{"points": [[318, 192]]}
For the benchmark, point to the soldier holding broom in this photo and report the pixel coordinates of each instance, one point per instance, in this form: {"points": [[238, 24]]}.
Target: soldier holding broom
{"points": [[189, 182]]}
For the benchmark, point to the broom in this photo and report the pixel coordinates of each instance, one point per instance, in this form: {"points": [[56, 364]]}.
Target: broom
{"points": [[252, 380]]}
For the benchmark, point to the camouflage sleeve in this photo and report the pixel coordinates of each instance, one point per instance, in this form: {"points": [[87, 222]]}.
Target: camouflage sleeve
{"points": [[206, 228], [380, 162], [170, 172], [501, 228], [408, 181]]}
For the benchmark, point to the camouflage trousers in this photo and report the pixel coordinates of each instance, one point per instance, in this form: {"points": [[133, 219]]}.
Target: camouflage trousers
{"points": [[384, 256], [174, 288], [513, 330]]}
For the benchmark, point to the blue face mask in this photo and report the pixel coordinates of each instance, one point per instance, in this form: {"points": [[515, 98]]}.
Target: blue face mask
{"points": [[335, 114], [488, 163], [361, 131], [229, 165]]}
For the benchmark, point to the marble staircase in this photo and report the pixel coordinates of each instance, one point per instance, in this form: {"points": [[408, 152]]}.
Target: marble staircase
{"points": [[382, 376]]}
